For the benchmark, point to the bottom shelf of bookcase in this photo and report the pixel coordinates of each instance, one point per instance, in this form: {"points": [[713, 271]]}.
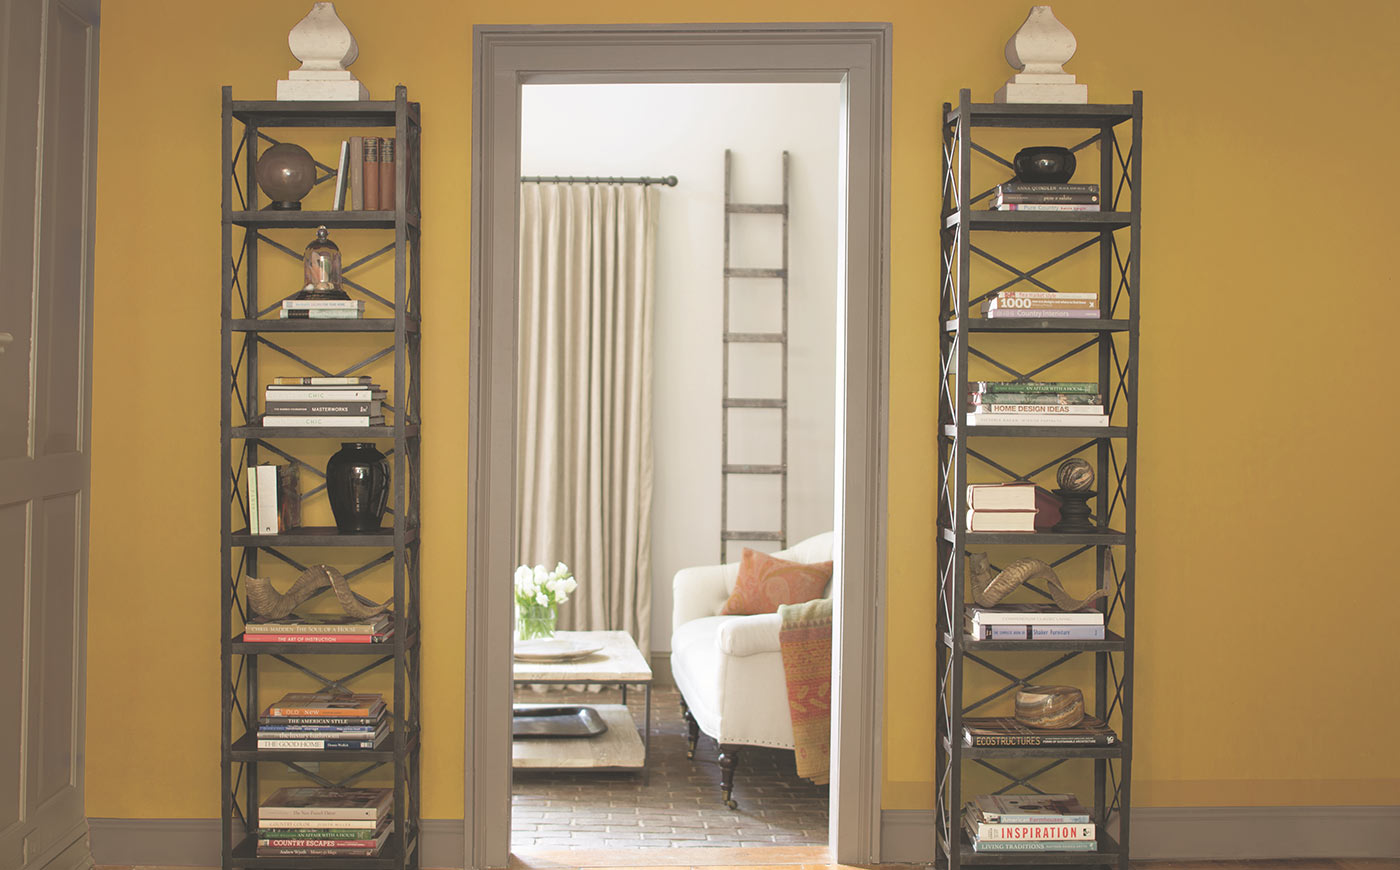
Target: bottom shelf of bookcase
{"points": [[245, 855], [1107, 853]]}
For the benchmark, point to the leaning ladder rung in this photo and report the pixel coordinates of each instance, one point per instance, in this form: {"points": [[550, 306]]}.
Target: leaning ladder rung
{"points": [[753, 536], [755, 273], [756, 337], [755, 403], [755, 469], [755, 208]]}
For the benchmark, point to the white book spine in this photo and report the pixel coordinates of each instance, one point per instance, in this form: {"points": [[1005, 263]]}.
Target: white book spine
{"points": [[309, 304], [267, 500], [1099, 420], [992, 617], [347, 422], [253, 499], [1045, 409], [315, 395]]}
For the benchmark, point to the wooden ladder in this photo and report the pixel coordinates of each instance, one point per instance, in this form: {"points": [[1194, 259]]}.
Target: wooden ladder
{"points": [[779, 404]]}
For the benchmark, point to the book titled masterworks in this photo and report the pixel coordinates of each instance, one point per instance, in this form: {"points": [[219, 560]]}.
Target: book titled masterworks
{"points": [[325, 704], [1006, 731], [1039, 830]]}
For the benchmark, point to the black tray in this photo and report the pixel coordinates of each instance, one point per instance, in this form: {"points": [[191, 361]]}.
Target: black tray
{"points": [[567, 721]]}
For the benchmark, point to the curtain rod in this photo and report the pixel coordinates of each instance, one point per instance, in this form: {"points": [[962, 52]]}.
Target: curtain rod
{"points": [[669, 180]]}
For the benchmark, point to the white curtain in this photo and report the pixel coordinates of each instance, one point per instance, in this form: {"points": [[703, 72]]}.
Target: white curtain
{"points": [[584, 455]]}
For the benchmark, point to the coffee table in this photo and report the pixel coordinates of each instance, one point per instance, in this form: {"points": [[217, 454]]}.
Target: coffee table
{"points": [[618, 663]]}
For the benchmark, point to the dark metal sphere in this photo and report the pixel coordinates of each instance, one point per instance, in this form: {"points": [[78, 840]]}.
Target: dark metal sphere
{"points": [[286, 173]]}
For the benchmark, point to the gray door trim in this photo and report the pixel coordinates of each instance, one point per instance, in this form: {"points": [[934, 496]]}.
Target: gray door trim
{"points": [[505, 57]]}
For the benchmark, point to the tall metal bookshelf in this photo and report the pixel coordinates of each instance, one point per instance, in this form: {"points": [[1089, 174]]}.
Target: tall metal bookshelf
{"points": [[980, 677], [253, 339]]}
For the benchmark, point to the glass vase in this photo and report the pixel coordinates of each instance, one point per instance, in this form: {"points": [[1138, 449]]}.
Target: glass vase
{"points": [[535, 620]]}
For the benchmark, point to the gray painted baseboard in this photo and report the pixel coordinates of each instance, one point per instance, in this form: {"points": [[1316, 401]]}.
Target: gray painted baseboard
{"points": [[1206, 833], [1159, 833]]}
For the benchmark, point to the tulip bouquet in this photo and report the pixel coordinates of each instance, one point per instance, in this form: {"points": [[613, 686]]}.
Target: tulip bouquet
{"points": [[538, 594]]}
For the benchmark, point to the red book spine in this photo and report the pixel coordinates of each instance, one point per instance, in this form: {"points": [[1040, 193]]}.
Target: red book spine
{"points": [[370, 181], [309, 638]]}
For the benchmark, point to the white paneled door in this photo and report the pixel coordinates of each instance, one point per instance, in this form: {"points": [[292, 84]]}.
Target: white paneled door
{"points": [[48, 117]]}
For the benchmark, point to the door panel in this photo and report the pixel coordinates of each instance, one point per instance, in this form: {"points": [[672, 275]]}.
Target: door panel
{"points": [[63, 216], [57, 576], [48, 82], [21, 37], [14, 568]]}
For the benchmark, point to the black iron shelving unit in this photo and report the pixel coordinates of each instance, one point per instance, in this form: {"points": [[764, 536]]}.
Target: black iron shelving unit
{"points": [[252, 335], [1111, 239]]}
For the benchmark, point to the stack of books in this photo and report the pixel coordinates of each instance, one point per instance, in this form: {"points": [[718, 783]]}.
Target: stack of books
{"points": [[1010, 507], [1005, 731], [1029, 823], [1027, 196], [322, 309], [1038, 621], [366, 180], [303, 401], [324, 822], [1035, 403], [1041, 304], [274, 499], [322, 720], [320, 629]]}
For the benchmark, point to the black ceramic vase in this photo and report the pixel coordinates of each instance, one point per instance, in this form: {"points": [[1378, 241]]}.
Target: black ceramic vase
{"points": [[357, 482], [1044, 164]]}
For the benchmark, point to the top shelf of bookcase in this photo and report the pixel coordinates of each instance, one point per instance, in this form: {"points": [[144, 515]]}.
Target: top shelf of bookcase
{"points": [[320, 113], [1081, 116]]}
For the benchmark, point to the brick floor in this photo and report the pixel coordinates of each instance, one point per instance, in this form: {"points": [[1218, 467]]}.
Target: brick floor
{"points": [[677, 805]]}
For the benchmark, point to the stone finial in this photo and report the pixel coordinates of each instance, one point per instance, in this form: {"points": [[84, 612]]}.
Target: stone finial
{"points": [[1039, 51], [325, 47]]}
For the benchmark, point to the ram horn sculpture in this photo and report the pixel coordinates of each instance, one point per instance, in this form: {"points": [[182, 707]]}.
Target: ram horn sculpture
{"points": [[988, 588], [267, 603]]}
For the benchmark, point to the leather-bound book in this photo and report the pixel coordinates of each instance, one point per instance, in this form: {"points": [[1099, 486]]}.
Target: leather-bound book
{"points": [[371, 173], [386, 174]]}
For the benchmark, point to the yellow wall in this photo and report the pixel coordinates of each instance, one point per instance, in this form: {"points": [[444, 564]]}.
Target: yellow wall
{"points": [[1267, 600]]}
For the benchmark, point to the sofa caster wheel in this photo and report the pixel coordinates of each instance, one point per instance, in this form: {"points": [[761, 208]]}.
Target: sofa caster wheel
{"points": [[731, 803]]}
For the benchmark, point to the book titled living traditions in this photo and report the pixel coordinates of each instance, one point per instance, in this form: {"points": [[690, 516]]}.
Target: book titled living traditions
{"points": [[308, 802], [1006, 731]]}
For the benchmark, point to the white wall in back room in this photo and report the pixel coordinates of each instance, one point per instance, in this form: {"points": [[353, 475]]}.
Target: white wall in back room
{"points": [[683, 130]]}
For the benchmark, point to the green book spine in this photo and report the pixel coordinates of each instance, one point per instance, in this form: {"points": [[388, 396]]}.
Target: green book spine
{"points": [[1033, 386], [1034, 399]]}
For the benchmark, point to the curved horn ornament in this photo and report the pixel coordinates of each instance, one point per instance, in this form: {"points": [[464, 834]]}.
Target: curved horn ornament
{"points": [[989, 589], [267, 603]]}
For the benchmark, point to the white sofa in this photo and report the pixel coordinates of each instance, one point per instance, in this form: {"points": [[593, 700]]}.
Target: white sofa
{"points": [[728, 668]]}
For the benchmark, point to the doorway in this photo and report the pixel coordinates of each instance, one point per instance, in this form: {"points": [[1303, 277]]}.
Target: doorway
{"points": [[856, 57]]}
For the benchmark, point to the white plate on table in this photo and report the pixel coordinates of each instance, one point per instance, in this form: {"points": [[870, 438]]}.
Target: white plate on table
{"points": [[553, 649]]}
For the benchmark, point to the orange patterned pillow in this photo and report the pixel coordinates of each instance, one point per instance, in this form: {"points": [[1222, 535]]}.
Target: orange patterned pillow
{"points": [[766, 581]]}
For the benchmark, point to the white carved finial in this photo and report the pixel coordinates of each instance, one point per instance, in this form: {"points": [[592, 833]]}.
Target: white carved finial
{"points": [[325, 47], [322, 41], [1039, 50]]}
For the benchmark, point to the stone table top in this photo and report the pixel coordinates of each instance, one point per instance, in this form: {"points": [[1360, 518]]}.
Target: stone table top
{"points": [[619, 661]]}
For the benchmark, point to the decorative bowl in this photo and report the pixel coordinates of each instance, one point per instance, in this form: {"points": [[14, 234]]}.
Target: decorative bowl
{"points": [[1044, 164]]}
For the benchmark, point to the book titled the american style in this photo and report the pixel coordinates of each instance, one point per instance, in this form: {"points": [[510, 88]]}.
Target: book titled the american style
{"points": [[1006, 731]]}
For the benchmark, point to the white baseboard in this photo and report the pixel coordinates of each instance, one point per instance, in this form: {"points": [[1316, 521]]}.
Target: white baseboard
{"points": [[195, 842], [1205, 833]]}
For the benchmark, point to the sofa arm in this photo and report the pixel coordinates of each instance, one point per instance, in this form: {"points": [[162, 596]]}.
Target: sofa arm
{"points": [[749, 635], [698, 592]]}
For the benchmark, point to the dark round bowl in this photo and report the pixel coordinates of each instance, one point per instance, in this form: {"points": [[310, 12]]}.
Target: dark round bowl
{"points": [[1044, 164]]}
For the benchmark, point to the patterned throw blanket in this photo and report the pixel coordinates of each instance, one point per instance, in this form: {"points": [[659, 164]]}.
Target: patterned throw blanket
{"points": [[805, 642]]}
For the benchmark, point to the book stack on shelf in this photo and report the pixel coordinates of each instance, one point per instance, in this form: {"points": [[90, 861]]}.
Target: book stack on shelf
{"points": [[365, 180], [310, 401], [324, 822], [1041, 305], [274, 499], [1044, 196], [1010, 507], [1033, 621], [323, 309], [1029, 823], [1035, 403], [1006, 732], [323, 720], [320, 629]]}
